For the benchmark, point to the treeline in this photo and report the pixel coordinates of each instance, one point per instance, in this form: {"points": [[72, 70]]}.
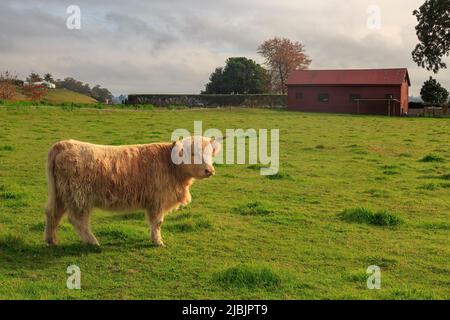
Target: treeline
{"points": [[97, 92], [36, 87], [241, 75]]}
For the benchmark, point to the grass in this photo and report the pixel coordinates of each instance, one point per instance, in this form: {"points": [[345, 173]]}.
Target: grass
{"points": [[6, 148], [248, 276], [58, 96], [367, 216], [189, 223], [279, 176], [244, 236], [433, 157], [252, 209]]}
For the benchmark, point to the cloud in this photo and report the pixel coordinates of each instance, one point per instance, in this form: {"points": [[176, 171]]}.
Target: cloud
{"points": [[173, 46]]}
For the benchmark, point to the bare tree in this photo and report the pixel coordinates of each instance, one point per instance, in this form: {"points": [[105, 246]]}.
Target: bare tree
{"points": [[7, 85], [282, 57], [35, 92]]}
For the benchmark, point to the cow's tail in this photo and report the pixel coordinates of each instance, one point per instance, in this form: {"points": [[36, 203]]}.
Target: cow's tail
{"points": [[50, 210]]}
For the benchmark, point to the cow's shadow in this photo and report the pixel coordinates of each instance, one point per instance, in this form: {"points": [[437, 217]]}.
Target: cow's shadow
{"points": [[16, 254]]}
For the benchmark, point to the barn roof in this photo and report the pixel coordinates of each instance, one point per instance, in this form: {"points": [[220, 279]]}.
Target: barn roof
{"points": [[349, 77]]}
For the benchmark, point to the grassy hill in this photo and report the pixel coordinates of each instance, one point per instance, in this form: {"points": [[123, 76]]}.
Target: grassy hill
{"points": [[60, 96]]}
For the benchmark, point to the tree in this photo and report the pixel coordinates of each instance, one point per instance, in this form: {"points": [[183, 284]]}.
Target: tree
{"points": [[282, 57], [74, 85], [101, 94], [432, 92], [49, 78], [35, 92], [7, 85], [433, 33], [239, 76], [98, 93], [34, 77]]}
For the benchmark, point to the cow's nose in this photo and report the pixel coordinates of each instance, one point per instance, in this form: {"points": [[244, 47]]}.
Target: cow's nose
{"points": [[209, 172]]}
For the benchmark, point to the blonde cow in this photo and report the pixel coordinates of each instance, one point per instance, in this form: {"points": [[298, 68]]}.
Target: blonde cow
{"points": [[83, 176]]}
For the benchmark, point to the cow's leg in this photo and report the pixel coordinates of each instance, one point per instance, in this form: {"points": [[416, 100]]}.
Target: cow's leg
{"points": [[52, 219], [81, 222], [156, 219]]}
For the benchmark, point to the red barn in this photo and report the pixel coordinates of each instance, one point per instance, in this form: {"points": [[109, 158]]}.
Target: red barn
{"points": [[374, 91]]}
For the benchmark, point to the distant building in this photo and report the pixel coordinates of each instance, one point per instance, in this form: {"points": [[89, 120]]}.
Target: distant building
{"points": [[47, 84], [373, 91]]}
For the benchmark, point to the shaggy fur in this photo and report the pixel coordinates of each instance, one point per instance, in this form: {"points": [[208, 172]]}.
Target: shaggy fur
{"points": [[83, 176]]}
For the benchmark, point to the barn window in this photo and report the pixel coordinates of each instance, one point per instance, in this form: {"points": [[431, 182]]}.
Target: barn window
{"points": [[354, 97], [389, 96], [323, 97], [299, 96]]}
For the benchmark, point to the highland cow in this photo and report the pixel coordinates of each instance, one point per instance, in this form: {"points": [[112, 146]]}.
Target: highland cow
{"points": [[84, 176]]}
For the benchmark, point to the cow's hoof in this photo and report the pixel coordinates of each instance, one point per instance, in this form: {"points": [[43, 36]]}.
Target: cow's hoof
{"points": [[93, 244], [159, 244], [52, 243]]}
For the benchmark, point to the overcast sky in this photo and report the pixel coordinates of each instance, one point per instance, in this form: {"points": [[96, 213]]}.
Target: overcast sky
{"points": [[172, 46]]}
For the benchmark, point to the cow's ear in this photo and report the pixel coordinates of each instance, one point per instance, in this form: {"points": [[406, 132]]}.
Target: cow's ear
{"points": [[216, 147]]}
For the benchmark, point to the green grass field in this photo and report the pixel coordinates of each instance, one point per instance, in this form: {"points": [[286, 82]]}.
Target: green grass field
{"points": [[353, 191]]}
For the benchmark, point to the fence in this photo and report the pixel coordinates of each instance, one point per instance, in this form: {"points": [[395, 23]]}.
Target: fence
{"points": [[210, 101], [429, 112]]}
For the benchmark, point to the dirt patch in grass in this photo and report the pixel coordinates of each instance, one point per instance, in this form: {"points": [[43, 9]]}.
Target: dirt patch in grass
{"points": [[248, 276], [367, 216]]}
